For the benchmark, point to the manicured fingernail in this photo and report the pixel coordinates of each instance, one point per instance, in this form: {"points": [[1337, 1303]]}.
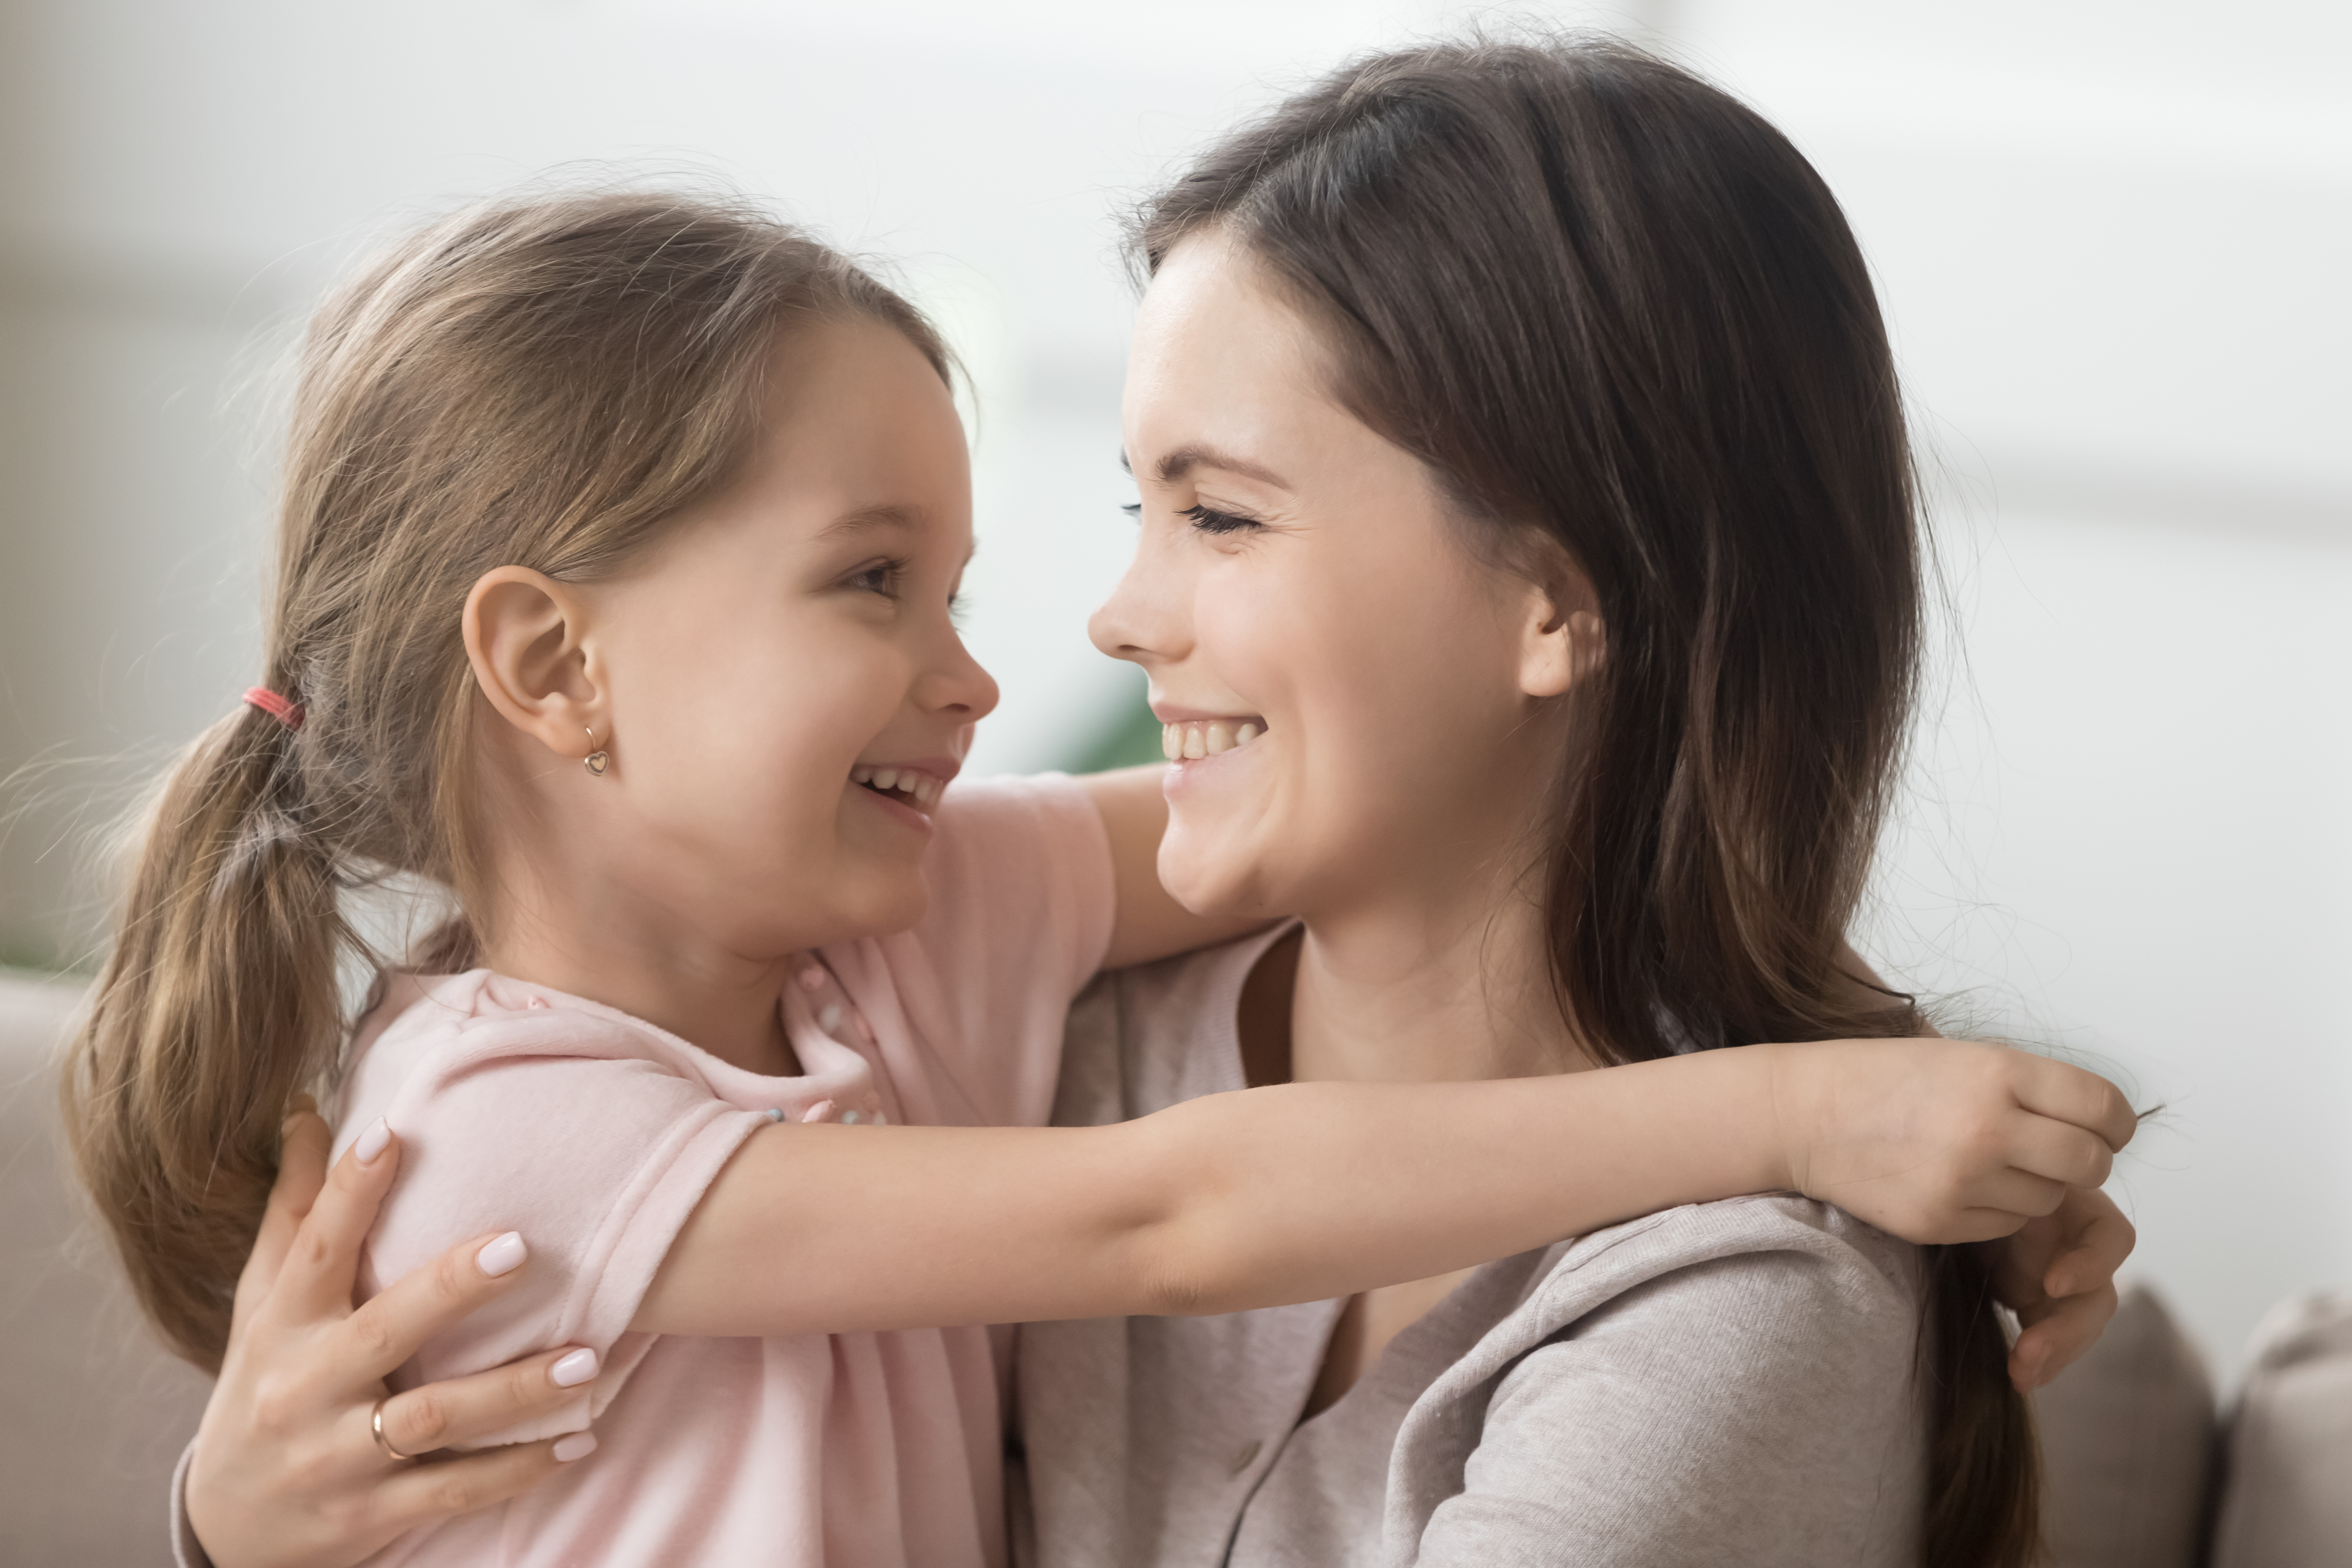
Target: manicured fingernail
{"points": [[502, 1255], [574, 1445], [574, 1369], [370, 1142]]}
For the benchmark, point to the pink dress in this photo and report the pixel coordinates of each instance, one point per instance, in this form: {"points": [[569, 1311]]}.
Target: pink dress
{"points": [[594, 1134]]}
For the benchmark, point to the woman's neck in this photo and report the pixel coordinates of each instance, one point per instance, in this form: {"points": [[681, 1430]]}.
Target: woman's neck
{"points": [[1423, 990]]}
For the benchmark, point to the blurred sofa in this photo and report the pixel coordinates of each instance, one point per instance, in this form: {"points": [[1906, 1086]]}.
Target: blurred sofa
{"points": [[2143, 1471]]}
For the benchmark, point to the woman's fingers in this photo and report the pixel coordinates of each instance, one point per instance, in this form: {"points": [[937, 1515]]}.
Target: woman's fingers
{"points": [[2060, 1332], [301, 1172], [389, 1326], [467, 1410], [2071, 1094], [325, 1260], [424, 1494]]}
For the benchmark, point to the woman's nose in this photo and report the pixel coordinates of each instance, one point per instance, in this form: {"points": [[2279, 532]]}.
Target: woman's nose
{"points": [[1143, 620]]}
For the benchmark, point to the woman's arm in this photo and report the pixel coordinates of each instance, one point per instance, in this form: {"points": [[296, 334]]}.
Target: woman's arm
{"points": [[1305, 1191], [1148, 923]]}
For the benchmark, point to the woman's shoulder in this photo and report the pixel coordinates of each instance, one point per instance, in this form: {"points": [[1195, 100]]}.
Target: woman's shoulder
{"points": [[1724, 1381], [1764, 1235]]}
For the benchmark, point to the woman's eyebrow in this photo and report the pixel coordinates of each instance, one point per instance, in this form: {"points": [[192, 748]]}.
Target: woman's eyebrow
{"points": [[1199, 455]]}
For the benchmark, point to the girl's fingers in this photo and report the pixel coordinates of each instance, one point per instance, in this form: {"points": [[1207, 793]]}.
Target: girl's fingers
{"points": [[2102, 1239], [2060, 1152], [2069, 1094], [2020, 1193], [424, 1494], [301, 1172], [388, 1327], [2059, 1335], [325, 1261], [466, 1410]]}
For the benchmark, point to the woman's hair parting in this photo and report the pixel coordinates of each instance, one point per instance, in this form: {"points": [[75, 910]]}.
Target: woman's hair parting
{"points": [[541, 382], [1623, 320]]}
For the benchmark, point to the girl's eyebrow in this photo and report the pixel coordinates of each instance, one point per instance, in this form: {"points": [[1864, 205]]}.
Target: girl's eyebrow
{"points": [[865, 519]]}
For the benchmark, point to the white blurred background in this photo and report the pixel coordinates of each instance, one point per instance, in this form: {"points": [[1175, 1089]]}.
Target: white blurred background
{"points": [[2114, 240]]}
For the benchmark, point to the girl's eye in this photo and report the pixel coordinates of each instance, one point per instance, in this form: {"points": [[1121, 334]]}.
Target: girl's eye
{"points": [[880, 577], [1134, 508], [1209, 522]]}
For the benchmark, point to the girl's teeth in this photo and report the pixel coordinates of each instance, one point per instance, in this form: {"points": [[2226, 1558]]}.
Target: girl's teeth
{"points": [[860, 773], [1205, 738]]}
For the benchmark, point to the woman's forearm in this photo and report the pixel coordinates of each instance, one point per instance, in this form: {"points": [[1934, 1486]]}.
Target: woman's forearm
{"points": [[1237, 1200]]}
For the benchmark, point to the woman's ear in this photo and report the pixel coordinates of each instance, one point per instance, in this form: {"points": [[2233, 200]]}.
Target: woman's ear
{"points": [[525, 637], [1562, 639]]}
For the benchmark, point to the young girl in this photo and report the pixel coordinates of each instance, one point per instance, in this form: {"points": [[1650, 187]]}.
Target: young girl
{"points": [[620, 543]]}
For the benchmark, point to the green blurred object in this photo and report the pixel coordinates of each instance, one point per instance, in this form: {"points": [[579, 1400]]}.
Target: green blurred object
{"points": [[1131, 736]]}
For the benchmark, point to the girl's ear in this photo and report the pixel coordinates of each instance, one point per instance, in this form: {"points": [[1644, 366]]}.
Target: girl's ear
{"points": [[1562, 639], [525, 637]]}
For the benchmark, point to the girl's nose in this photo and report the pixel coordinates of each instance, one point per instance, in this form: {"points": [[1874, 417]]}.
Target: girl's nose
{"points": [[960, 687]]}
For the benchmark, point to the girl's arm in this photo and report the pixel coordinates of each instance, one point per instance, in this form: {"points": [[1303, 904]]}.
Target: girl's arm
{"points": [[1148, 923], [1305, 1191]]}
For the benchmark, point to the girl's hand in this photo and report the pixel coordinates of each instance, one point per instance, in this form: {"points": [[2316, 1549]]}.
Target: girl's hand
{"points": [[287, 1469], [2058, 1275], [1943, 1140]]}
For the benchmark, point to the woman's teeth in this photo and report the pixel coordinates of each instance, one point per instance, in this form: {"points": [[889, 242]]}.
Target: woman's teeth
{"points": [[1205, 737], [922, 788]]}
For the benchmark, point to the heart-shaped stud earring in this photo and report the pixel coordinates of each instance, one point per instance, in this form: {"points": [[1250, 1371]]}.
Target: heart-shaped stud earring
{"points": [[598, 759]]}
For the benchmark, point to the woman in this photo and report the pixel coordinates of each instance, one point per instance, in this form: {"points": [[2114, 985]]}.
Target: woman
{"points": [[1554, 363]]}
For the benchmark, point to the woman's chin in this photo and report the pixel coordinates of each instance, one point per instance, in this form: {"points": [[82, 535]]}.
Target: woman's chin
{"points": [[1210, 878]]}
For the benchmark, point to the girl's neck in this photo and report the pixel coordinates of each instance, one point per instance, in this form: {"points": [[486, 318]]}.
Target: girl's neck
{"points": [[1421, 990], [651, 965]]}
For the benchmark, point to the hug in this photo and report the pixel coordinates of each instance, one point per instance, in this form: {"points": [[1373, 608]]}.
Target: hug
{"points": [[1437, 1119]]}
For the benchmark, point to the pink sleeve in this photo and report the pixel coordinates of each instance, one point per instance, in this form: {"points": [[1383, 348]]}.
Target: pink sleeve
{"points": [[563, 1128], [1020, 918]]}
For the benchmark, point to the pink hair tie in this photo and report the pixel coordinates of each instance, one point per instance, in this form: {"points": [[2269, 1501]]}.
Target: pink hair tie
{"points": [[285, 710]]}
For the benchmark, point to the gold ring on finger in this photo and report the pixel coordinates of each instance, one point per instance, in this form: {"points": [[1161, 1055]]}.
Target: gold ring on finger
{"points": [[376, 1424]]}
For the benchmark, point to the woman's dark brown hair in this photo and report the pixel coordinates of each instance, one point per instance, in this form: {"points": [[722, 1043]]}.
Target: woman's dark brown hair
{"points": [[1611, 306], [545, 382]]}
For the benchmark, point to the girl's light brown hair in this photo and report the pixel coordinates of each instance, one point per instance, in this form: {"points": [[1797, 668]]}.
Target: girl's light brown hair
{"points": [[1617, 312], [539, 382]]}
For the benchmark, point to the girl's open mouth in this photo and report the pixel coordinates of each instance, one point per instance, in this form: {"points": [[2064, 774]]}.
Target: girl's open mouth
{"points": [[905, 785]]}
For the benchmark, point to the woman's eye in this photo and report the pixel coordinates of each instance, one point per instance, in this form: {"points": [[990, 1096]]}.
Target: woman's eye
{"points": [[1209, 522], [1134, 508]]}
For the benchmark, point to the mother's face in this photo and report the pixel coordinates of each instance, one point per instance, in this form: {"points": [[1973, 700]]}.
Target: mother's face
{"points": [[1365, 709]]}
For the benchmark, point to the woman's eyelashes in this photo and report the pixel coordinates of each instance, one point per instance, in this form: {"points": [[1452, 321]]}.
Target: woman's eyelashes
{"points": [[1208, 520]]}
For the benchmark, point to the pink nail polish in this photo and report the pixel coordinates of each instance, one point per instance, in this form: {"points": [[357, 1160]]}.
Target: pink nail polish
{"points": [[574, 1445], [370, 1144], [502, 1255], [573, 1370]]}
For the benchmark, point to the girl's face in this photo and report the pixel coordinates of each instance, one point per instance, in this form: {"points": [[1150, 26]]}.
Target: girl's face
{"points": [[1366, 710], [788, 650]]}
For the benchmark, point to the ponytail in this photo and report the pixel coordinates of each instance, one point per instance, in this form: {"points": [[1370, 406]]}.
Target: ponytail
{"points": [[218, 1003], [545, 382]]}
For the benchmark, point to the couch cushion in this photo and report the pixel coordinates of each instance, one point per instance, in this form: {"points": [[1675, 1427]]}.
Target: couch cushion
{"points": [[2288, 1494], [93, 1411], [2127, 1444]]}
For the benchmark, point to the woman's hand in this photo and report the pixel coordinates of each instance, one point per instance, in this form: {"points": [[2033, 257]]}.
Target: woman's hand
{"points": [[287, 1472]]}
